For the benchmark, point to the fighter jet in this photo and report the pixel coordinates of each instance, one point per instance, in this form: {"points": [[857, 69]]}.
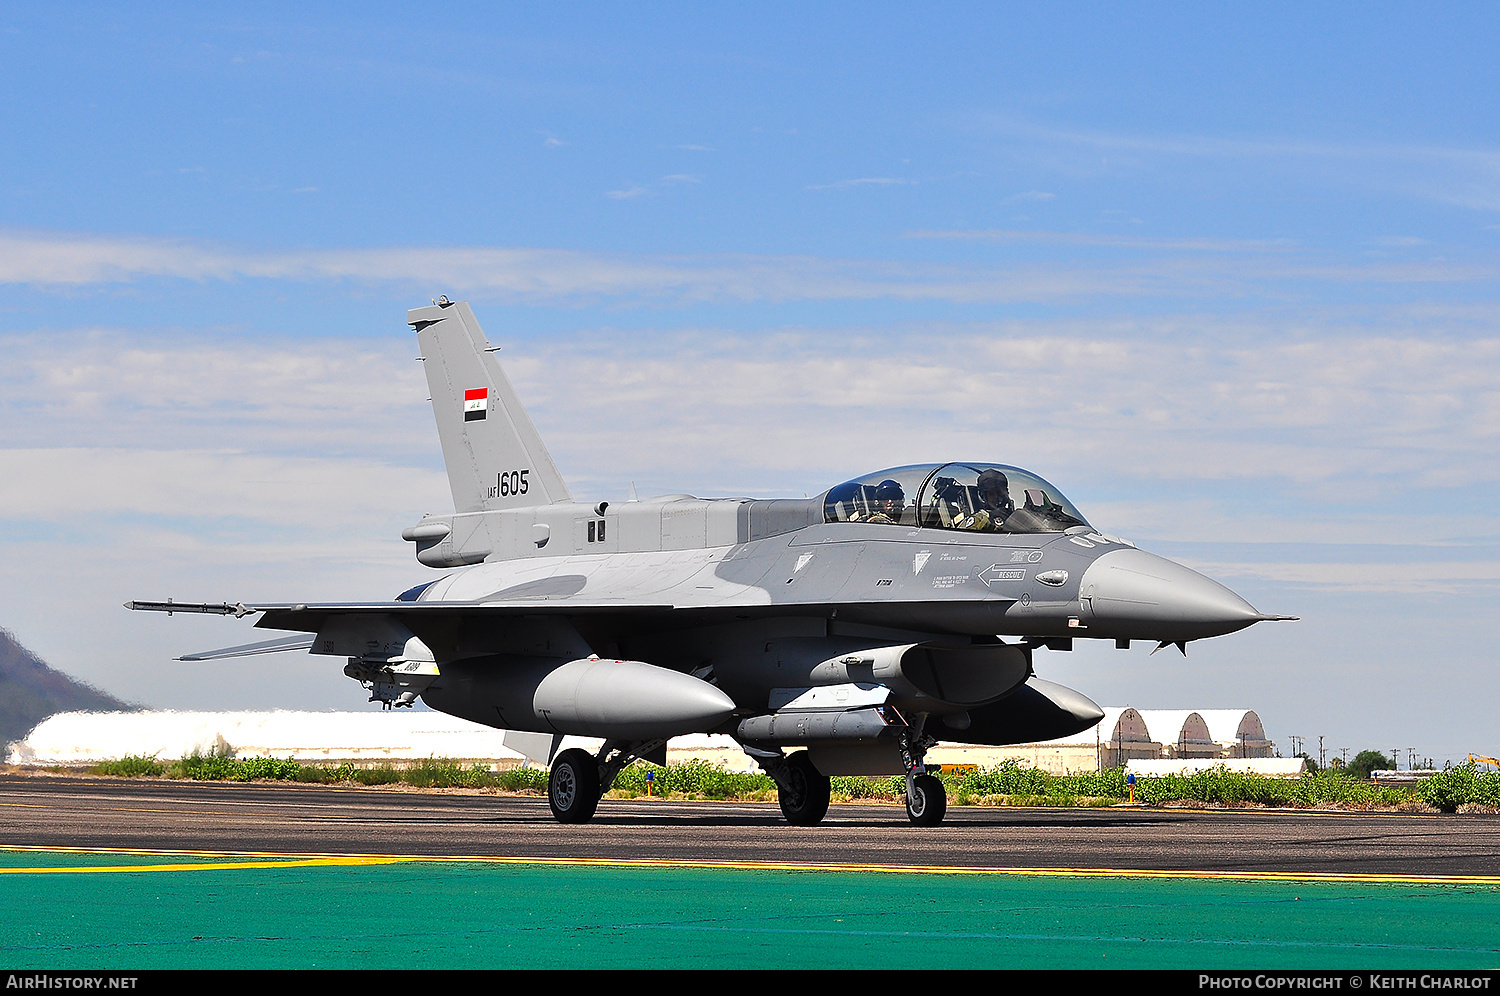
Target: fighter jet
{"points": [[855, 629]]}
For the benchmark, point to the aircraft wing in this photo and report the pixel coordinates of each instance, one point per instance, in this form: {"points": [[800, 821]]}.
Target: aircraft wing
{"points": [[420, 617], [308, 617]]}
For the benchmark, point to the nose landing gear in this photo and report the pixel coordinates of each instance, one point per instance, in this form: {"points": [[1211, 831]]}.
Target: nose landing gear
{"points": [[926, 798]]}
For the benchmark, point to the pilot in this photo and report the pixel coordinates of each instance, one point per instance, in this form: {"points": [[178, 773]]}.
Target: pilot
{"points": [[995, 505], [890, 502]]}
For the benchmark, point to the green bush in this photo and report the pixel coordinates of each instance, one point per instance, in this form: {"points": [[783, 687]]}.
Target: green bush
{"points": [[691, 778], [321, 775], [1219, 785], [130, 766], [220, 765], [268, 768], [384, 774], [1109, 784], [1011, 780], [862, 787], [206, 767], [435, 773], [1212, 785], [1008, 778], [1006, 784], [522, 779], [1447, 790]]}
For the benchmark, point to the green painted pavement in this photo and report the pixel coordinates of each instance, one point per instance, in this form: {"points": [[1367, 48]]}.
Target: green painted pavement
{"points": [[263, 914]]}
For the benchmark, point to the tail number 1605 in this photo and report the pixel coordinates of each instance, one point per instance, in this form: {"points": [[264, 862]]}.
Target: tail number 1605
{"points": [[510, 482]]}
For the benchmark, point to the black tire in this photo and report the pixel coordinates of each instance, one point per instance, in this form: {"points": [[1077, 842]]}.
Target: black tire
{"points": [[927, 803], [573, 786], [804, 801]]}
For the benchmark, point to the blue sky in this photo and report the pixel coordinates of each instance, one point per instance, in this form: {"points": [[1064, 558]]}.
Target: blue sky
{"points": [[1227, 275]]}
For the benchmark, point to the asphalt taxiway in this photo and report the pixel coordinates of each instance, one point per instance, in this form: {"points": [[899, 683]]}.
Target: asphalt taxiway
{"points": [[69, 811], [145, 873]]}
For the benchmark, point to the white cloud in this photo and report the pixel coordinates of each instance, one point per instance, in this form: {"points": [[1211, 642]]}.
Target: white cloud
{"points": [[628, 193], [1435, 577], [864, 181], [1466, 177], [542, 274], [109, 388], [59, 485], [1111, 241], [636, 190], [1336, 418], [559, 275]]}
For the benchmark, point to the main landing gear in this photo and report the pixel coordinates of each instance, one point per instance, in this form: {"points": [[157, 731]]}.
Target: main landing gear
{"points": [[573, 788], [579, 779], [804, 799], [801, 789]]}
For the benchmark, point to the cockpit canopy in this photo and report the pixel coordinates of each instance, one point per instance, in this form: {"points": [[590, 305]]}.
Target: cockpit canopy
{"points": [[978, 497]]}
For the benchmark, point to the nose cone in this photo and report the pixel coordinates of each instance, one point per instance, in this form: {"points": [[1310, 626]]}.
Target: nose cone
{"points": [[1134, 594]]}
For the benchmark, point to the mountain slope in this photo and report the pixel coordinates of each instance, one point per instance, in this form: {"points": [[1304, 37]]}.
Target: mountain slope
{"points": [[30, 691]]}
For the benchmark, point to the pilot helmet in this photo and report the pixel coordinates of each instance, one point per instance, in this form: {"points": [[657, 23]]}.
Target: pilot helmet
{"points": [[994, 480]]}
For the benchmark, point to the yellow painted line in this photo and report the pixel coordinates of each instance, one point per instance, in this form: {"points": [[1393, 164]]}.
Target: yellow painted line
{"points": [[130, 809], [804, 866], [200, 866], [178, 852], [247, 811], [270, 859]]}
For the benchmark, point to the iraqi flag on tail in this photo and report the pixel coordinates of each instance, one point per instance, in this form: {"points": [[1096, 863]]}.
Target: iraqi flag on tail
{"points": [[476, 404]]}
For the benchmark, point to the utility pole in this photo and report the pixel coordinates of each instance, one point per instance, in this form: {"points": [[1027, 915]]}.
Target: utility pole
{"points": [[1296, 745], [1322, 755]]}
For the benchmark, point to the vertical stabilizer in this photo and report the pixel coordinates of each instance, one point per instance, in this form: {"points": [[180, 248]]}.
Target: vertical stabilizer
{"points": [[494, 456]]}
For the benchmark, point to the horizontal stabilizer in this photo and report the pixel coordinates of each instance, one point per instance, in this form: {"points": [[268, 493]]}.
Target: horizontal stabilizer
{"points": [[276, 646]]}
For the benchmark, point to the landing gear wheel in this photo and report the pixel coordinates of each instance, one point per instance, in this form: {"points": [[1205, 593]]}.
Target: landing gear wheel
{"points": [[927, 802], [573, 787], [804, 800]]}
